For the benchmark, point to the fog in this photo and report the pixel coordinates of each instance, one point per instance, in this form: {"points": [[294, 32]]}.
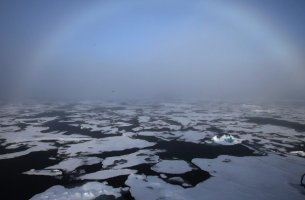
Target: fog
{"points": [[162, 50]]}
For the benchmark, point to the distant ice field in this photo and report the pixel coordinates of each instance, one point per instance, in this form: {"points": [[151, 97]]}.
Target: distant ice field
{"points": [[202, 150]]}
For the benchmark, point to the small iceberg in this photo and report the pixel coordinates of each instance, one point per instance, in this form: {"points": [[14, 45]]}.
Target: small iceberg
{"points": [[226, 140]]}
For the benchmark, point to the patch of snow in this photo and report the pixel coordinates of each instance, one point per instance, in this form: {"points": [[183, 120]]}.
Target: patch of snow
{"points": [[172, 167]]}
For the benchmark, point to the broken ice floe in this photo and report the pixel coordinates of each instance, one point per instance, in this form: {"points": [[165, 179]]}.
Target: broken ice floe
{"points": [[143, 119], [133, 159], [152, 188], [105, 174], [88, 191], [185, 136], [31, 147], [264, 177], [96, 146], [172, 167], [70, 164], [32, 139], [269, 177]]}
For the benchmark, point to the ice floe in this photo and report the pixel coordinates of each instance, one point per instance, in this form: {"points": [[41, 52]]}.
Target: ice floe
{"points": [[105, 174], [143, 119], [70, 164], [152, 188], [264, 177], [172, 167], [193, 136], [88, 191], [44, 172], [96, 146], [31, 147], [129, 160], [185, 136], [269, 177], [32, 139]]}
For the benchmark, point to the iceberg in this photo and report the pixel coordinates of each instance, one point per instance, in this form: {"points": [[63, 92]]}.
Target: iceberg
{"points": [[226, 140]]}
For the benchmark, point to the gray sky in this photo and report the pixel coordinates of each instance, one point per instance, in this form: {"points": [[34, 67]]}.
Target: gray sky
{"points": [[152, 49]]}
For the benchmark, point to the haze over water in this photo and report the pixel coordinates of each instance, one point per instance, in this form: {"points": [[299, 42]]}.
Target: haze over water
{"points": [[139, 50]]}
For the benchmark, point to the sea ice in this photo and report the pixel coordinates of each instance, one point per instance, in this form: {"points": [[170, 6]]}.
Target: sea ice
{"points": [[70, 164], [153, 188], [44, 172], [105, 174], [96, 146], [129, 160], [172, 167], [270, 177], [88, 191]]}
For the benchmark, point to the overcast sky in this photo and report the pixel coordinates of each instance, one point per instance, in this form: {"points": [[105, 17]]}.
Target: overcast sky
{"points": [[163, 49]]}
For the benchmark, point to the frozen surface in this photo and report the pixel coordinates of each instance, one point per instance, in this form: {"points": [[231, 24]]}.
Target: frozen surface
{"points": [[116, 143], [270, 177], [105, 174], [266, 177], [30, 147], [214, 150], [34, 140], [44, 172], [129, 160], [194, 136], [70, 164], [153, 188], [90, 190], [172, 167]]}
